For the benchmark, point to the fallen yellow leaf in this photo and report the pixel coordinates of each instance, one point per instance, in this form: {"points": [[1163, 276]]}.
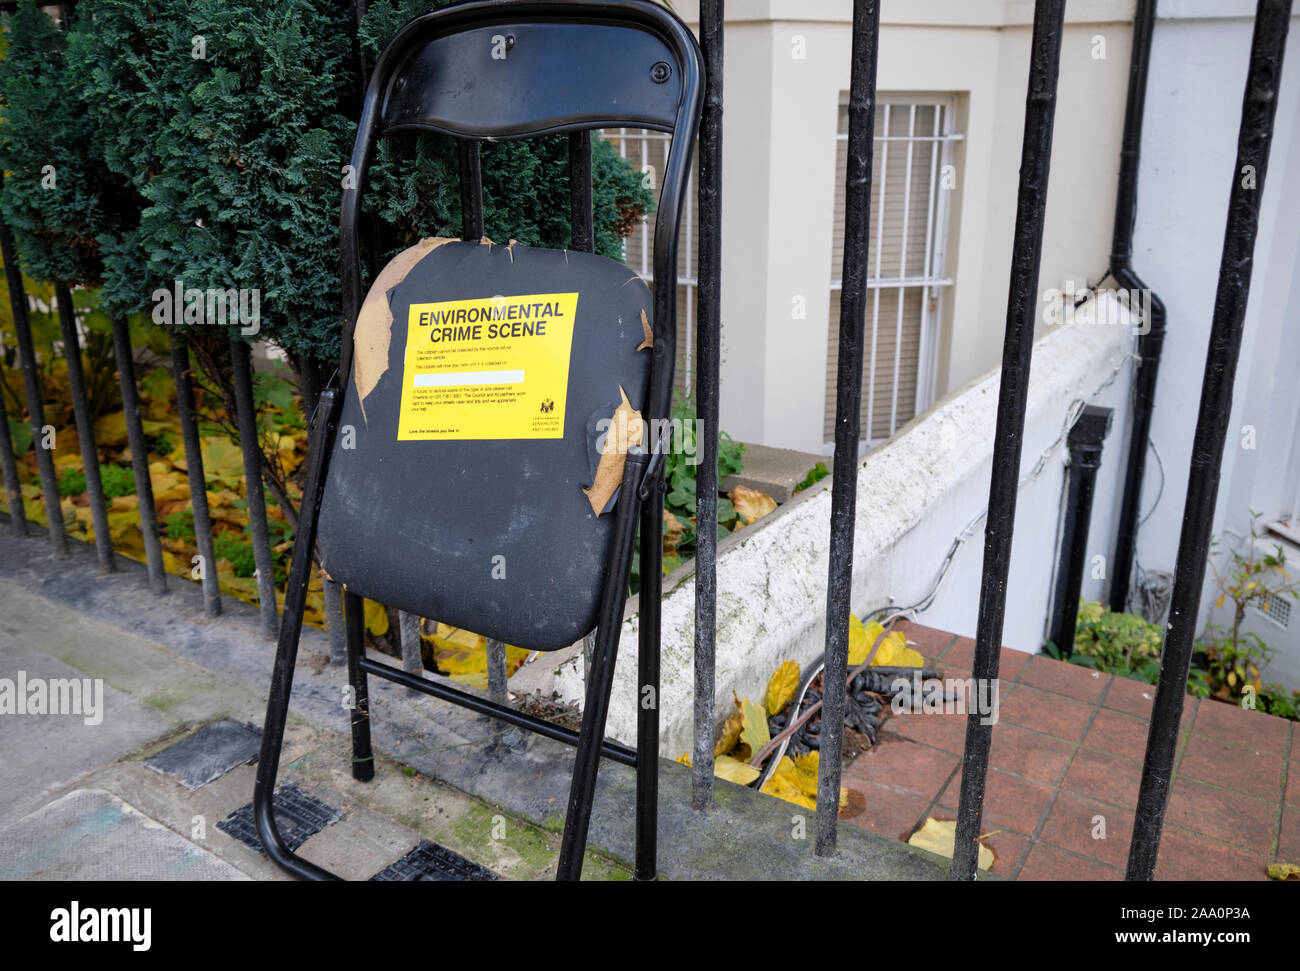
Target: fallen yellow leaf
{"points": [[796, 781], [784, 784], [376, 618], [782, 686], [894, 652], [754, 731], [734, 770], [940, 836]]}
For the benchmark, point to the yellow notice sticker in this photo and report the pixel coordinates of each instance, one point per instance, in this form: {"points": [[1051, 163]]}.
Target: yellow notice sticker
{"points": [[492, 367]]}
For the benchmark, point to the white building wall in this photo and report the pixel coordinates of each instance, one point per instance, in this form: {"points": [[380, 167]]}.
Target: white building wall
{"points": [[917, 492], [1189, 146], [786, 64], [914, 495]]}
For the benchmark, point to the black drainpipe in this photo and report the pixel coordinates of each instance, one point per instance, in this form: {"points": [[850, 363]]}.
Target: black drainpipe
{"points": [[1085, 441], [1151, 342]]}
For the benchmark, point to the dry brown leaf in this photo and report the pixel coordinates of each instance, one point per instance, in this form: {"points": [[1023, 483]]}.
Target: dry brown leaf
{"points": [[374, 327], [730, 734], [649, 340], [751, 504], [624, 432], [673, 530]]}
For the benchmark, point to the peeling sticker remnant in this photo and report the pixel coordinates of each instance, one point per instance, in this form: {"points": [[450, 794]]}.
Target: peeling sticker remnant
{"points": [[649, 341], [375, 322], [625, 430]]}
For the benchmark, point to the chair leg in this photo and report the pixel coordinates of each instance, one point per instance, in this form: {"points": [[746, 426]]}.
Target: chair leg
{"points": [[647, 727], [363, 757], [286, 652], [582, 791]]}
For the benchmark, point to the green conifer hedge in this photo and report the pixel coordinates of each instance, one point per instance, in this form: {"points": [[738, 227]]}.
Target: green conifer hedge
{"points": [[222, 128]]}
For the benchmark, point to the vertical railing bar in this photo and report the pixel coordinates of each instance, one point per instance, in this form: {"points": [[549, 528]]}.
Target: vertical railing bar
{"points": [[13, 488], [139, 453], [848, 412], [309, 384], [85, 422], [1259, 107], [250, 445], [1013, 392], [708, 296], [194, 472], [902, 270], [471, 190], [496, 670], [581, 219], [875, 298], [333, 594], [408, 631], [35, 395], [688, 345]]}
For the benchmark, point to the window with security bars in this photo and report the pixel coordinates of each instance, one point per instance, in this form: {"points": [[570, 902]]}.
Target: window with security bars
{"points": [[906, 280], [647, 151]]}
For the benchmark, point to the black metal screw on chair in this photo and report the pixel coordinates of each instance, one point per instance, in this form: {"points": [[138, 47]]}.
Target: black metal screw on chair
{"points": [[457, 489]]}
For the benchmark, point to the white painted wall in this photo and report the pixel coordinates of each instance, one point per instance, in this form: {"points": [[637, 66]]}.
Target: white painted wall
{"points": [[919, 490], [915, 494], [1189, 145], [779, 184]]}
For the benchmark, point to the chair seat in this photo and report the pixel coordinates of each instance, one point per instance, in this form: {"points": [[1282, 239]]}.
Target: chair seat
{"points": [[469, 429]]}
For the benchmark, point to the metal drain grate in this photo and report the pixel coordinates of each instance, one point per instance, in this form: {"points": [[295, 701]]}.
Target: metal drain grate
{"points": [[429, 861], [208, 754], [298, 817]]}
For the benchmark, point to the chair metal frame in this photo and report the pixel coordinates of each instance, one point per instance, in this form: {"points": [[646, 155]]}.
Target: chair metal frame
{"points": [[643, 478]]}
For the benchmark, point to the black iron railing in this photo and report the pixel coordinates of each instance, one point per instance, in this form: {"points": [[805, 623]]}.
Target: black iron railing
{"points": [[1259, 107], [1271, 22]]}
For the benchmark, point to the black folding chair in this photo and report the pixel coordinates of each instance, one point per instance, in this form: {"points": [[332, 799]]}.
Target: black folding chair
{"points": [[456, 492]]}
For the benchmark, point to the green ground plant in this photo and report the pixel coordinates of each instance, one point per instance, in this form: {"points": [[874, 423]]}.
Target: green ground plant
{"points": [[1122, 644], [1246, 579]]}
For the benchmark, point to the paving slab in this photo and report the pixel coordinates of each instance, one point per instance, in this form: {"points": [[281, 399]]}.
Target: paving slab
{"points": [[442, 773], [1065, 770], [91, 834], [775, 471]]}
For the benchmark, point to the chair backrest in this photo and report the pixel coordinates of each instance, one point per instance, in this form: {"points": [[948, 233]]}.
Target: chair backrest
{"points": [[481, 377], [507, 69]]}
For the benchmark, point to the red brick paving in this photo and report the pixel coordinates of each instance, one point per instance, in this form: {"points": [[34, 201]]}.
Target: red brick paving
{"points": [[1065, 766]]}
